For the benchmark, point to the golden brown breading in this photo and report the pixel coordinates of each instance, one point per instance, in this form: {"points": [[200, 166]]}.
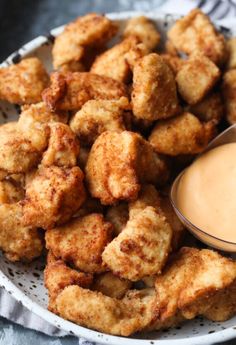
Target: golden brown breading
{"points": [[198, 275], [24, 82], [210, 108], [195, 33], [183, 134], [18, 242], [17, 153], [109, 315], [110, 285], [69, 91], [53, 195], [145, 30], [98, 116], [81, 242], [118, 163], [174, 62], [57, 275], [10, 192], [34, 121], [118, 61], [63, 147], [118, 215], [90, 30], [231, 45], [170, 48], [196, 78], [72, 66], [148, 196], [154, 90], [223, 306], [142, 247], [229, 95]]}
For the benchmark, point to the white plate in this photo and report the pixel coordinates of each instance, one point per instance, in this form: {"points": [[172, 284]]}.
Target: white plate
{"points": [[25, 282]]}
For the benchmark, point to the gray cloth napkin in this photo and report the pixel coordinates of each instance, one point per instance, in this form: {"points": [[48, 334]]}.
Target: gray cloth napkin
{"points": [[221, 10]]}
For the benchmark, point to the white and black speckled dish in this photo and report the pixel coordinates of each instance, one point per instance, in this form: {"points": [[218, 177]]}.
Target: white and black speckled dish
{"points": [[25, 282]]}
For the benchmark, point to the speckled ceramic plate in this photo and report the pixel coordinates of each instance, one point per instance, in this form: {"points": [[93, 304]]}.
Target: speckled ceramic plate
{"points": [[25, 282]]}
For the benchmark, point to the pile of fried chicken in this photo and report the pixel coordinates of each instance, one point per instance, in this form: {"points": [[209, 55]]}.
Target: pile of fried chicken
{"points": [[86, 170]]}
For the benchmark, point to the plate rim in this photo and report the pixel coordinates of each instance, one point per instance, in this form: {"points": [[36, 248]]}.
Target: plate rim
{"points": [[59, 322]]}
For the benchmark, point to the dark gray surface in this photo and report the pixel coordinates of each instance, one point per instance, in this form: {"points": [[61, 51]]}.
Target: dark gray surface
{"points": [[21, 21]]}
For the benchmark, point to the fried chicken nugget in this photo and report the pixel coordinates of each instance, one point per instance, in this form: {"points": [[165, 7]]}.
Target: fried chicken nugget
{"points": [[57, 275], [110, 285], [63, 147], [210, 108], [81, 242], [174, 62], [145, 30], [90, 205], [118, 215], [24, 82], [34, 121], [198, 276], [196, 78], [118, 163], [53, 195], [69, 91], [142, 247], [109, 315], [118, 61], [229, 95], [183, 134], [17, 152], [154, 90], [85, 32], [231, 45], [98, 116], [18, 242], [196, 33]]}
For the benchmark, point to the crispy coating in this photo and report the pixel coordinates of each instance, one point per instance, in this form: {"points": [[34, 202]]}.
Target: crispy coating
{"points": [[174, 62], [109, 315], [148, 196], [90, 205], [229, 95], [118, 215], [183, 134], [145, 30], [170, 48], [231, 45], [196, 78], [63, 147], [118, 163], [57, 275], [118, 61], [198, 275], [34, 121], [223, 306], [81, 242], [53, 195], [154, 90], [86, 31], [210, 108], [142, 247], [16, 81], [69, 91], [18, 242], [110, 285], [195, 33], [10, 192], [17, 152], [98, 116]]}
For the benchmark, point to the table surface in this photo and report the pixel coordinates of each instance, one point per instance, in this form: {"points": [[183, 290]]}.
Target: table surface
{"points": [[21, 21]]}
